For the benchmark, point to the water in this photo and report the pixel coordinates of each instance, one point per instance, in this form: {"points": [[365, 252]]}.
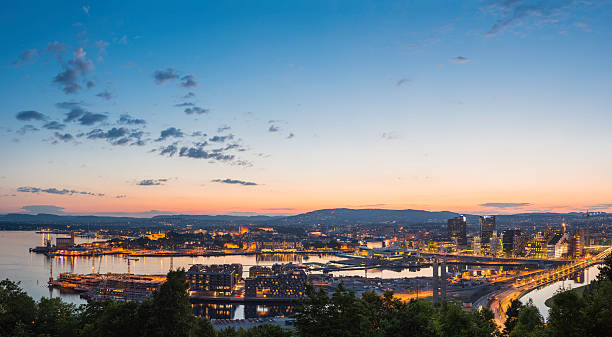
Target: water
{"points": [[33, 270], [539, 296]]}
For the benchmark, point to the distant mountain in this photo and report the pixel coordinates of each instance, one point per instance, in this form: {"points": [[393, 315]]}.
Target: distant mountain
{"points": [[338, 216]]}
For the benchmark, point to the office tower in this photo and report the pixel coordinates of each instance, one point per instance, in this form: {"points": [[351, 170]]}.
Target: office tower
{"points": [[487, 227], [457, 231], [508, 240]]}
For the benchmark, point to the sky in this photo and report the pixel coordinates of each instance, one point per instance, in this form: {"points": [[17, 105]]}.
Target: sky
{"points": [[282, 107]]}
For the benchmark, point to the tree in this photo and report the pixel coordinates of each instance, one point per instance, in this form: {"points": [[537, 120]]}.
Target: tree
{"points": [[566, 315], [605, 270], [17, 310], [168, 312], [56, 318], [530, 323], [512, 315]]}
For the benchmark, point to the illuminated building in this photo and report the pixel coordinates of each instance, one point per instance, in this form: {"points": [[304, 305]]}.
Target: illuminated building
{"points": [[214, 279], [508, 240], [243, 230], [287, 284], [63, 243], [457, 231], [487, 227]]}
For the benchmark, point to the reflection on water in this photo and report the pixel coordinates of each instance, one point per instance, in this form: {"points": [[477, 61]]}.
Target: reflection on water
{"points": [[34, 270], [241, 311], [539, 296]]}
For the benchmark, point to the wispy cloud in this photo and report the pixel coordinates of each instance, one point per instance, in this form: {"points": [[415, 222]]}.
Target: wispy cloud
{"points": [[163, 76], [53, 190], [519, 12], [403, 81], [107, 95], [152, 182], [505, 204], [188, 81], [30, 115], [234, 182], [170, 132], [45, 209], [460, 59], [77, 67]]}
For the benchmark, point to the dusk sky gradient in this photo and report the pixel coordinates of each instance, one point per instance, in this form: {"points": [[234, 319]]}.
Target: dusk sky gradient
{"points": [[280, 107]]}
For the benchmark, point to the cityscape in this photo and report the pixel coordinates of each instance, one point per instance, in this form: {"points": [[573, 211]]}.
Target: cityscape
{"points": [[306, 168]]}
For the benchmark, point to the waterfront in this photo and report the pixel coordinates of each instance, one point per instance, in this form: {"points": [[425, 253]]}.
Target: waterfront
{"points": [[33, 270], [539, 296]]}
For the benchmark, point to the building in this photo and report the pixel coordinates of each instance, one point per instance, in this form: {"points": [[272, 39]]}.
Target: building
{"points": [[487, 227], [508, 237], [257, 271], [286, 284], [558, 246], [214, 280], [577, 243], [63, 243], [457, 231], [477, 245]]}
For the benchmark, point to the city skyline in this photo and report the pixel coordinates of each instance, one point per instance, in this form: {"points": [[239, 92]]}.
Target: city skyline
{"points": [[491, 107]]}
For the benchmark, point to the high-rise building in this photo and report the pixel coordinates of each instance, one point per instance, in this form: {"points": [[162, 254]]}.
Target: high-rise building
{"points": [[487, 227], [508, 240], [457, 231]]}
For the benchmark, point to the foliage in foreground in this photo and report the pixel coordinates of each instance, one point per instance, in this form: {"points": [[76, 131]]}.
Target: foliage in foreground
{"points": [[570, 314], [168, 314]]}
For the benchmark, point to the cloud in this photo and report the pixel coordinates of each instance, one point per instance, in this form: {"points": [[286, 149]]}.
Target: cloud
{"points": [[291, 135], [86, 9], [389, 135], [91, 84], [182, 105], [189, 95], [53, 190], [599, 206], [403, 81], [53, 125], [199, 153], [221, 139], [117, 136], [65, 137], [273, 128], [77, 67], [120, 196], [90, 118], [129, 120], [45, 209], [78, 113], [460, 59], [162, 76], [278, 209], [27, 128], [30, 115], [27, 56], [223, 128], [188, 81], [196, 110], [170, 132], [152, 182], [234, 182], [505, 204], [518, 12], [169, 150], [107, 95]]}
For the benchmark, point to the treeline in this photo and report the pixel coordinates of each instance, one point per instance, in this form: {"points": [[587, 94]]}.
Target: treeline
{"points": [[168, 314], [571, 314]]}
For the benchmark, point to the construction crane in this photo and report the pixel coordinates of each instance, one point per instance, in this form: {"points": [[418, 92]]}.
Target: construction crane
{"points": [[129, 259]]}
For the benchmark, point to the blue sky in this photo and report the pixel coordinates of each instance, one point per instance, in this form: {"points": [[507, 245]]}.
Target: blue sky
{"points": [[401, 104]]}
